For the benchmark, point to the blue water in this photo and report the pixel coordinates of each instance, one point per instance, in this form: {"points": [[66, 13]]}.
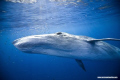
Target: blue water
{"points": [[94, 18]]}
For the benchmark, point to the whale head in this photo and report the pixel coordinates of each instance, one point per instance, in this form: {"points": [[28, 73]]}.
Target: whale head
{"points": [[46, 43]]}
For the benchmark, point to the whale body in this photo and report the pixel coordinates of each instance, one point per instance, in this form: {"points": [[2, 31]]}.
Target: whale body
{"points": [[67, 45]]}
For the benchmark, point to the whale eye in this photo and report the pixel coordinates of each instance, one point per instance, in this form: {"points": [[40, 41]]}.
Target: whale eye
{"points": [[58, 33]]}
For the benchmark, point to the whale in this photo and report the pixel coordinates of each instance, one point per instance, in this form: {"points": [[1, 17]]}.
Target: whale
{"points": [[70, 46]]}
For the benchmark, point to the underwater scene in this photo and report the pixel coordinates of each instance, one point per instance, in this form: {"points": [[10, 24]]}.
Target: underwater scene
{"points": [[99, 20]]}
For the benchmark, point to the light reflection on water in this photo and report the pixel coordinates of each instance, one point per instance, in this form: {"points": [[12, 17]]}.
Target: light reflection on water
{"points": [[50, 13]]}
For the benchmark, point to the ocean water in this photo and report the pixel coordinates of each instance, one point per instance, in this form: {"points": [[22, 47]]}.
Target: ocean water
{"points": [[93, 18]]}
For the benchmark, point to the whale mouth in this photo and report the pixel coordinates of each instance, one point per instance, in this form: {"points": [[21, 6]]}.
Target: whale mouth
{"points": [[21, 47], [15, 41]]}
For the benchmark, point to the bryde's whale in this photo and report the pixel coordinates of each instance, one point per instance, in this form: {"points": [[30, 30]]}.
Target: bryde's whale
{"points": [[68, 45]]}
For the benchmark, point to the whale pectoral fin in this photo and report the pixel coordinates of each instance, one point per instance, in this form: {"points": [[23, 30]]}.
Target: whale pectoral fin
{"points": [[80, 63], [104, 39]]}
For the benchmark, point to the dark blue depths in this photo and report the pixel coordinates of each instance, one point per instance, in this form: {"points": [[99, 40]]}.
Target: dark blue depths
{"points": [[94, 18]]}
